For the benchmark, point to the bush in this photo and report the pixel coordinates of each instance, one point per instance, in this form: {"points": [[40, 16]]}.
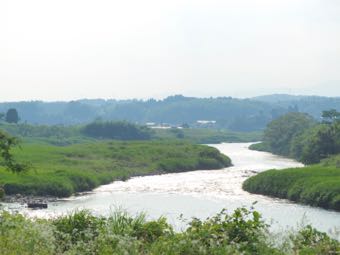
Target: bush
{"points": [[78, 227], [311, 241], [118, 130], [241, 232], [19, 235]]}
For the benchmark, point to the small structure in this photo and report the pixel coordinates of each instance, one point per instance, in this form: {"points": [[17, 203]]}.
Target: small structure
{"points": [[205, 123]]}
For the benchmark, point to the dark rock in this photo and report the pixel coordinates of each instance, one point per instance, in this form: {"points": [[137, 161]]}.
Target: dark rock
{"points": [[37, 205]]}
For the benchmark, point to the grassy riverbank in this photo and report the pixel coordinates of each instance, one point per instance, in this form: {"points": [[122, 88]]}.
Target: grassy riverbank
{"points": [[298, 136], [241, 232], [316, 185], [62, 171]]}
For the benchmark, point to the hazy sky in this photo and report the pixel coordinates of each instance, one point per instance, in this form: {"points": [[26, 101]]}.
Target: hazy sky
{"points": [[69, 49]]}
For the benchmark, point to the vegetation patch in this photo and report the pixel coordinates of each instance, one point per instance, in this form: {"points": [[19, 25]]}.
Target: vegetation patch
{"points": [[62, 171], [119, 130], [298, 136], [317, 185], [208, 136], [240, 232], [259, 147]]}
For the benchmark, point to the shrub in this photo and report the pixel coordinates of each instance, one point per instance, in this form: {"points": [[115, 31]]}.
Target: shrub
{"points": [[19, 235], [78, 227], [241, 232], [119, 130], [310, 241]]}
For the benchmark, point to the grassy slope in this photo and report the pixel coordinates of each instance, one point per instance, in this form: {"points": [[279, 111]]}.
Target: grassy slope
{"points": [[316, 185], [61, 171]]}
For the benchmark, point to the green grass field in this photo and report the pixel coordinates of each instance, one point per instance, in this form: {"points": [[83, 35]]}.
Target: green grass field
{"points": [[316, 185], [207, 136], [63, 170], [67, 135]]}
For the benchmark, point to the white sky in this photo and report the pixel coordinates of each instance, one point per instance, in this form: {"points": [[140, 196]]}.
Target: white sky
{"points": [[69, 49]]}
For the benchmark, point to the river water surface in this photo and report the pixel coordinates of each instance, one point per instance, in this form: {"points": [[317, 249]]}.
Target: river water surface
{"points": [[199, 194]]}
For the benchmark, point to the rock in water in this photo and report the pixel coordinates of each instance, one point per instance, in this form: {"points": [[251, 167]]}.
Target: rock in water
{"points": [[37, 205]]}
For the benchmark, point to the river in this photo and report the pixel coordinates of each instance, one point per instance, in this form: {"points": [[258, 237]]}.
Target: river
{"points": [[199, 194]]}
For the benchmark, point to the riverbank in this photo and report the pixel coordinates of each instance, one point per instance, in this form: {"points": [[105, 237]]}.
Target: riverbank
{"points": [[316, 185], [62, 171], [27, 199], [199, 194]]}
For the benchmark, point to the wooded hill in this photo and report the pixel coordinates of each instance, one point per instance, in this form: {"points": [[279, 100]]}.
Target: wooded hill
{"points": [[230, 113]]}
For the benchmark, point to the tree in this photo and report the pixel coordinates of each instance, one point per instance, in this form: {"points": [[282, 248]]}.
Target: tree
{"points": [[281, 132], [330, 116], [12, 116], [2, 115], [119, 130], [322, 141], [6, 143]]}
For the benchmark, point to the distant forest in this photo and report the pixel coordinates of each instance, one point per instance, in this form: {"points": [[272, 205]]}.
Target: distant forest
{"points": [[225, 112]]}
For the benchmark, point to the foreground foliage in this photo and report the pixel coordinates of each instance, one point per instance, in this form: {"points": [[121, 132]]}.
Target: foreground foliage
{"points": [[317, 185], [62, 171], [242, 232]]}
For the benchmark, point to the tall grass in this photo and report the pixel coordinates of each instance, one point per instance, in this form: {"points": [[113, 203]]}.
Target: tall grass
{"points": [[317, 185], [62, 171], [241, 232], [208, 136]]}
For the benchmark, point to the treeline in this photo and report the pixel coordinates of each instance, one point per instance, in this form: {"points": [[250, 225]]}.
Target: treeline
{"points": [[117, 130], [299, 136], [120, 130], [229, 113], [65, 135], [174, 110]]}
